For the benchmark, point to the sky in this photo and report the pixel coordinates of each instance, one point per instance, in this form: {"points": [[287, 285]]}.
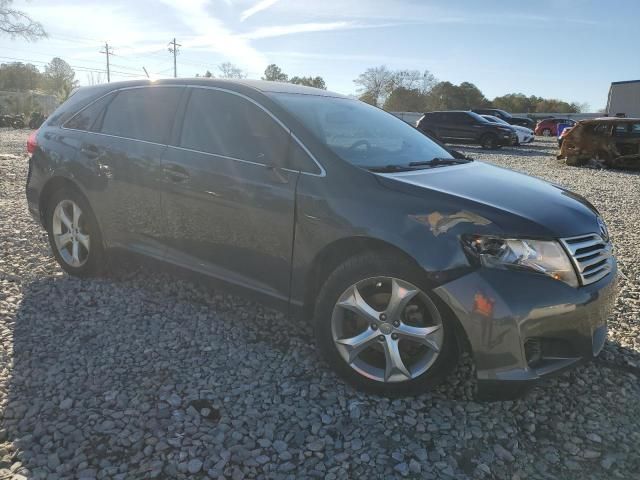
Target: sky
{"points": [[571, 49]]}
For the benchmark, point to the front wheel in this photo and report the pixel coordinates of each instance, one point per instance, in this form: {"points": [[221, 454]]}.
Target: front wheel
{"points": [[380, 330], [74, 234]]}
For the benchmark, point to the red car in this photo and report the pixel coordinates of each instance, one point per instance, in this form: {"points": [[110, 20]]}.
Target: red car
{"points": [[549, 126]]}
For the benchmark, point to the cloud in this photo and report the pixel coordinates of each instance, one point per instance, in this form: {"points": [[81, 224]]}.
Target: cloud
{"points": [[211, 34], [280, 30], [258, 7]]}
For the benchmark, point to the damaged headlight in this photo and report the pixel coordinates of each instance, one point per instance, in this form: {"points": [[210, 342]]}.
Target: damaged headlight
{"points": [[540, 256]]}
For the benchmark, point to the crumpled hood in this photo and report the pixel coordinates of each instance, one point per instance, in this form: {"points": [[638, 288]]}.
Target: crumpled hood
{"points": [[515, 203]]}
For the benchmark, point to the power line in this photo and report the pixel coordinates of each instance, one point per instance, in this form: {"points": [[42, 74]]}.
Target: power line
{"points": [[75, 67], [107, 51], [174, 50]]}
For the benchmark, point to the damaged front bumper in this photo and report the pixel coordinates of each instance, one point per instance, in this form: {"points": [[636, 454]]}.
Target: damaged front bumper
{"points": [[523, 327]]}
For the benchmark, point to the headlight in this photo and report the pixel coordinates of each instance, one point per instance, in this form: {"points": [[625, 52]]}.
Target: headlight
{"points": [[540, 256]]}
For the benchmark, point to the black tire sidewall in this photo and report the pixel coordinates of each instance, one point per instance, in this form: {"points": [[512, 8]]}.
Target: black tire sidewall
{"points": [[488, 141], [95, 263], [368, 265]]}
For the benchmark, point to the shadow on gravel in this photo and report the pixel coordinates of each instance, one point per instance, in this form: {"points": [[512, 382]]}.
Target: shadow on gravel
{"points": [[142, 375]]}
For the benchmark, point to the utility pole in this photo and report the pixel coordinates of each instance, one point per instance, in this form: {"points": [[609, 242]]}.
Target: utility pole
{"points": [[107, 51], [174, 49]]}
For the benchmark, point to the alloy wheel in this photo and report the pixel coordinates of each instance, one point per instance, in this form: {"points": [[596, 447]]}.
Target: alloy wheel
{"points": [[387, 329], [70, 233]]}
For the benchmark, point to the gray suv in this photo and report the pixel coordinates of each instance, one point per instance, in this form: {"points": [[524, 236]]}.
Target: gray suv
{"points": [[401, 254]]}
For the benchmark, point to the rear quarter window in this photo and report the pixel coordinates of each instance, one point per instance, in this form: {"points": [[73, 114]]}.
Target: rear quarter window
{"points": [[85, 119]]}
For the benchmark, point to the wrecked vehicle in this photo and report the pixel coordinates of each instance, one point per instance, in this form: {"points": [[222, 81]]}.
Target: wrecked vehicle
{"points": [[605, 142]]}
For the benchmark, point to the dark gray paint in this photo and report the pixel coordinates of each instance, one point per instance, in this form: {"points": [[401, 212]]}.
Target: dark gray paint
{"points": [[270, 230]]}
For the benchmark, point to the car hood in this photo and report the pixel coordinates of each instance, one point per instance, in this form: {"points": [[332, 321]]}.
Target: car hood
{"points": [[514, 203]]}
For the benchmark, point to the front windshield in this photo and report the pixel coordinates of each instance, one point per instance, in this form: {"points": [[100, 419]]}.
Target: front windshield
{"points": [[359, 133], [504, 114]]}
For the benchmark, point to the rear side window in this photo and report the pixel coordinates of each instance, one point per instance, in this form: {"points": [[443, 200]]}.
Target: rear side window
{"points": [[87, 118], [228, 125], [141, 113]]}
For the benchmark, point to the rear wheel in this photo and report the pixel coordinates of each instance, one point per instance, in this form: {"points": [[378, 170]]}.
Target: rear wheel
{"points": [[74, 234], [380, 330], [489, 141]]}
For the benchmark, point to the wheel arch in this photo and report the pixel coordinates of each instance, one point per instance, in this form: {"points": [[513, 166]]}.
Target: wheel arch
{"points": [[50, 187], [337, 252]]}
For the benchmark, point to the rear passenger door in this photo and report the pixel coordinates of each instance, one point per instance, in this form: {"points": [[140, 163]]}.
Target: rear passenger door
{"points": [[459, 127], [229, 205], [124, 152]]}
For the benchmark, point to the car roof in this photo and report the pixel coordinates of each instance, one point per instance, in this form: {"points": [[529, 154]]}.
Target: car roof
{"points": [[262, 86], [451, 111], [610, 120]]}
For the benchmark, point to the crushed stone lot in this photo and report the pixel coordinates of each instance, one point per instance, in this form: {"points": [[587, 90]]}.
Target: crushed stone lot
{"points": [[144, 374]]}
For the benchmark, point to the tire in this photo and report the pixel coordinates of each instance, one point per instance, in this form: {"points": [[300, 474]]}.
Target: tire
{"points": [[489, 141], [574, 161], [546, 132], [81, 253], [374, 274]]}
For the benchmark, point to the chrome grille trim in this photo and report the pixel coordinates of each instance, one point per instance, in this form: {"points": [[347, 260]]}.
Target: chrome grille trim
{"points": [[591, 256]]}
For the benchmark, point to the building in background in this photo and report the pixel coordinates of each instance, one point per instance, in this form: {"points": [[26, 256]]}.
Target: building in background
{"points": [[624, 99]]}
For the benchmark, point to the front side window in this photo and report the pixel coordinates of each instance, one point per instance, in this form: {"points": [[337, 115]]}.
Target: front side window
{"points": [[359, 133], [141, 113], [225, 124]]}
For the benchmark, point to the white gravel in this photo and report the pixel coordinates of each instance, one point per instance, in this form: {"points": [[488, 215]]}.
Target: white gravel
{"points": [[144, 375]]}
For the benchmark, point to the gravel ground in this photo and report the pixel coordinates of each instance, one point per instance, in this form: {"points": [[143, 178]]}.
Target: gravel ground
{"points": [[142, 374]]}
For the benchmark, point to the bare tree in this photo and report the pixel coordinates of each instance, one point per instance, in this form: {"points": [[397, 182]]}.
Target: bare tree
{"points": [[378, 83], [374, 84], [95, 78], [16, 23], [229, 70]]}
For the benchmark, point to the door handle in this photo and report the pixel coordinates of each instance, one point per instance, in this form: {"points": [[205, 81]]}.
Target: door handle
{"points": [[175, 173], [90, 151]]}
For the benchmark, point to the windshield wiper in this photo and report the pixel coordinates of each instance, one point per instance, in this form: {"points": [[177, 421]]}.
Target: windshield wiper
{"points": [[391, 168], [436, 162]]}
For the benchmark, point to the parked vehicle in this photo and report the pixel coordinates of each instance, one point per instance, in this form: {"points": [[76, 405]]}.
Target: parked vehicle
{"points": [[624, 99], [563, 133], [525, 135], [37, 119], [548, 127], [334, 210], [506, 116], [13, 121], [610, 141], [466, 127]]}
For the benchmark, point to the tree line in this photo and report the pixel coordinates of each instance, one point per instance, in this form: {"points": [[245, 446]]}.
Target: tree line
{"points": [[415, 91], [57, 79]]}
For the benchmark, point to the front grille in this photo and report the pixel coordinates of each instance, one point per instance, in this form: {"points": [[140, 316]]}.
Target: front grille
{"points": [[591, 256]]}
